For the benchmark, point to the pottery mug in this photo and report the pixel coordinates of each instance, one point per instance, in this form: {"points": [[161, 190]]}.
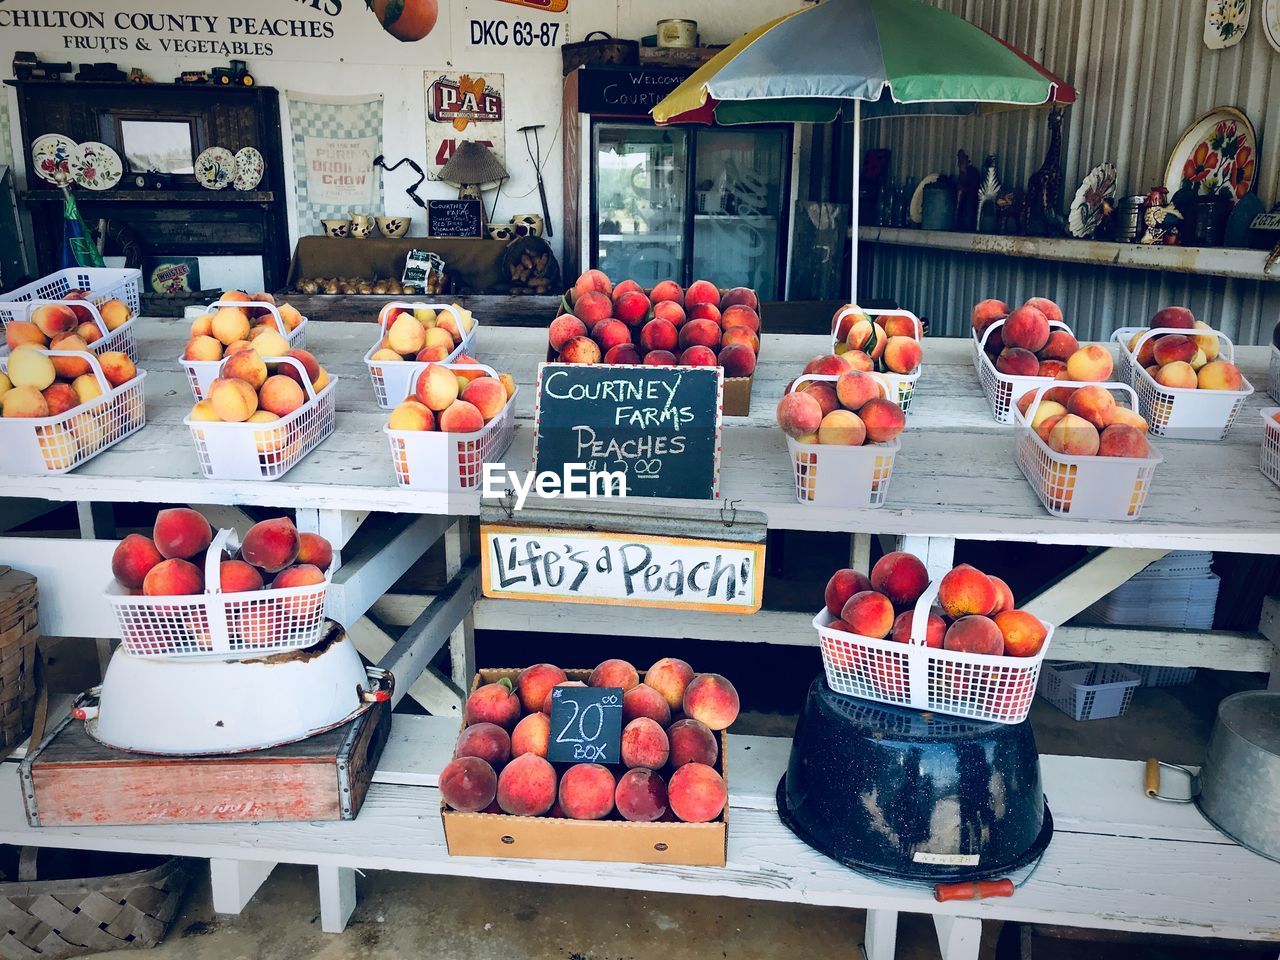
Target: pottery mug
{"points": [[362, 226], [528, 224], [393, 227], [336, 228], [502, 231]]}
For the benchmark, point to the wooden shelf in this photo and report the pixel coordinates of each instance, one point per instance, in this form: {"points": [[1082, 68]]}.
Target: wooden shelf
{"points": [[155, 196], [1203, 261], [117, 84]]}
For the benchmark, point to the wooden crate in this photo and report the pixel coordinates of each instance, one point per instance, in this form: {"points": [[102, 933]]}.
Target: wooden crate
{"points": [[72, 780], [19, 632]]}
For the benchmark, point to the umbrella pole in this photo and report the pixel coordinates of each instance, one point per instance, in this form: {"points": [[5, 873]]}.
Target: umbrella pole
{"points": [[853, 201]]}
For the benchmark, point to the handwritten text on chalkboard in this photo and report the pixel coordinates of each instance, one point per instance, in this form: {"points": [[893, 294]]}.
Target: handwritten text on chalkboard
{"points": [[455, 218], [586, 725]]}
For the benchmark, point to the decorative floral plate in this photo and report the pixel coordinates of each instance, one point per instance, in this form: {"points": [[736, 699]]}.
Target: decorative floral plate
{"points": [[1218, 150], [51, 156], [1271, 22], [1097, 189], [916, 210], [96, 166], [249, 168], [1225, 22], [216, 168]]}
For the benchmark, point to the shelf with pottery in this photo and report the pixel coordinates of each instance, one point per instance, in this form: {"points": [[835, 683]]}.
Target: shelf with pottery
{"points": [[156, 196], [1202, 261]]}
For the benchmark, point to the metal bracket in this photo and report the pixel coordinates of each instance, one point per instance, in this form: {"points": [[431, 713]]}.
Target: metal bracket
{"points": [[507, 502], [733, 512]]}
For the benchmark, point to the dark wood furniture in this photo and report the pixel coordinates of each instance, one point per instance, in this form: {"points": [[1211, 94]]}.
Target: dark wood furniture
{"points": [[185, 219]]}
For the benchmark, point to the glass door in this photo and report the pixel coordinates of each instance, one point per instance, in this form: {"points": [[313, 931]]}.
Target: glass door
{"points": [[639, 195]]}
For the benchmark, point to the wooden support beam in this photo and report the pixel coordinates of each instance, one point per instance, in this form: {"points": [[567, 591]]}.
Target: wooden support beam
{"points": [[387, 547], [880, 941], [959, 938], [1089, 580], [337, 897], [435, 694], [937, 553], [1269, 627], [235, 882], [860, 552]]}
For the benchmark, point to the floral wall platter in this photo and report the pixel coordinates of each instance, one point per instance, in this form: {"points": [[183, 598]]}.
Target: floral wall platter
{"points": [[96, 166], [1271, 22], [249, 168], [51, 156], [1225, 22], [1097, 191], [1218, 151], [216, 168]]}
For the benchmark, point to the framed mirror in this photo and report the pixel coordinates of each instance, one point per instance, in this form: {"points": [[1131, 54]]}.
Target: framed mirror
{"points": [[168, 145]]}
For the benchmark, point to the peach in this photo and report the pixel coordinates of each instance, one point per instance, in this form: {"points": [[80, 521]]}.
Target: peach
{"points": [[1054, 369], [711, 699], [291, 316], [1004, 596], [901, 577], [531, 735], [271, 545], [868, 337], [24, 402], [535, 682], [310, 366], [117, 368], [1093, 403], [740, 296], [487, 395], [659, 334], [1073, 436], [133, 559], [412, 415], [987, 312], [436, 354], [643, 700], [593, 281], [1059, 395], [563, 329], [59, 398], [5, 384], [823, 392], [967, 590], [546, 703], [740, 315], [667, 290], [28, 367], [493, 703], [869, 614], [1027, 327], [236, 576], [1177, 318], [202, 348], [670, 311], [22, 333], [702, 291], [314, 550], [898, 325], [692, 741], [229, 324], [1044, 410], [580, 350], [659, 358], [1123, 440], [740, 334], [461, 417], [83, 313], [622, 354], [592, 307], [670, 677], [696, 793], [446, 323], [625, 286], [1052, 312], [488, 741], [1179, 375], [406, 335], [883, 419], [935, 628], [632, 308], [843, 585], [508, 384], [247, 366], [1174, 347], [855, 388], [1130, 417], [68, 368], [699, 333], [1023, 633], [234, 401], [705, 311], [436, 388], [645, 743], [738, 360], [799, 414], [614, 673], [54, 318], [1219, 375], [610, 333], [181, 533], [974, 634], [87, 387], [1045, 427], [1091, 363], [173, 578], [468, 784], [902, 354], [842, 428], [1209, 343], [268, 343], [641, 796], [202, 326], [832, 365], [1145, 355], [1018, 362], [1060, 346], [586, 791], [299, 575]]}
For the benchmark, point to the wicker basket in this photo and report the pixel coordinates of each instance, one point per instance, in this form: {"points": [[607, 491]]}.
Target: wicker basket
{"points": [[55, 919], [19, 631]]}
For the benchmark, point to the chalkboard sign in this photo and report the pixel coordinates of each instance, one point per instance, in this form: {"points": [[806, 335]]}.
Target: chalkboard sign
{"points": [[612, 91], [455, 218], [586, 725], [659, 426]]}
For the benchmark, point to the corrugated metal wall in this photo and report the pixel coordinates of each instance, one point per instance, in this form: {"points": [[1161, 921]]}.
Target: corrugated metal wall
{"points": [[1144, 74]]}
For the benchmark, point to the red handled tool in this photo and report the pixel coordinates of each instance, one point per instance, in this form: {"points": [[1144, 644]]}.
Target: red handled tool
{"points": [[974, 890]]}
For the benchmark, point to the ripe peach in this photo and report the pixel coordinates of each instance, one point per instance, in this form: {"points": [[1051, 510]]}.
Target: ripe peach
{"points": [[535, 682], [247, 366], [1023, 633], [692, 741], [1122, 440], [705, 311], [622, 354], [935, 628], [659, 334], [644, 743], [740, 296], [659, 358], [546, 703], [670, 311], [610, 333], [1177, 375], [310, 365], [799, 414], [28, 367], [842, 428], [614, 673], [236, 576], [898, 325], [290, 315], [580, 350], [1207, 342], [59, 398], [1004, 596], [738, 360], [1045, 426], [667, 290], [488, 741], [884, 420], [412, 415], [670, 677], [468, 784], [901, 577], [228, 324], [54, 318], [699, 333], [271, 545], [740, 315], [87, 388], [632, 308], [858, 360], [702, 291], [436, 354], [855, 388], [68, 368], [1178, 318], [406, 335], [487, 395], [592, 307], [987, 312], [117, 368], [202, 326], [586, 791], [1017, 362], [83, 314], [233, 348], [643, 700], [299, 575], [625, 286], [696, 793], [967, 590], [843, 585], [641, 796], [314, 550], [1027, 327], [1054, 369], [508, 384], [1093, 403], [1059, 395], [593, 281], [5, 385], [202, 348], [823, 392], [24, 333], [133, 559], [712, 699], [563, 329], [1052, 312], [531, 735], [1091, 363], [461, 417], [1073, 436], [437, 387], [1060, 346], [1174, 347], [740, 334], [1219, 375], [902, 354], [448, 324], [181, 533], [974, 634], [173, 578], [867, 336], [1130, 417], [279, 394], [24, 402], [1045, 410], [493, 703], [267, 343], [869, 614]]}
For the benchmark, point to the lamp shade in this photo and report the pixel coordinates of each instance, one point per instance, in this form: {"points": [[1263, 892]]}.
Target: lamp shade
{"points": [[473, 162]]}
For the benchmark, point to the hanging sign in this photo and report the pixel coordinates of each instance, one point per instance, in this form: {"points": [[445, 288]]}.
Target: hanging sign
{"points": [[626, 91], [634, 570], [463, 106]]}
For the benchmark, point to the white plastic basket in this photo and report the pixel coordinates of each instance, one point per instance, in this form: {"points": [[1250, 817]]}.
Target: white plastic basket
{"points": [[105, 283], [443, 462], [265, 451], [201, 373], [1270, 460], [1003, 390], [57, 444], [1180, 413], [827, 475], [217, 625], [901, 385], [1083, 488], [1089, 691], [1154, 676], [1273, 374], [928, 678], [393, 380]]}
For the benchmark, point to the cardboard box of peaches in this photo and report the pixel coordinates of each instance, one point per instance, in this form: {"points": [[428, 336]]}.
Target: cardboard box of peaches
{"points": [[703, 326], [667, 802]]}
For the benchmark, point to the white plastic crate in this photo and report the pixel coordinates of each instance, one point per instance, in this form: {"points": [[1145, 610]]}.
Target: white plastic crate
{"points": [[1273, 374], [1001, 389], [444, 462], [1083, 488], [1089, 691], [57, 444], [1270, 459], [901, 385], [1176, 602], [265, 451], [105, 283], [1155, 676], [201, 373], [928, 678], [1180, 413], [1178, 563], [393, 380], [217, 625]]}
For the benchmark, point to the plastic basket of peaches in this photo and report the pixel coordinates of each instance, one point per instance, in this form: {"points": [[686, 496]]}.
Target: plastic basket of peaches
{"points": [[889, 342], [1016, 351], [233, 322], [957, 645]]}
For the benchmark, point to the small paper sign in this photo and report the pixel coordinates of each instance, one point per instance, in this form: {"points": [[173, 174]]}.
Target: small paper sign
{"points": [[418, 265], [586, 725], [455, 218]]}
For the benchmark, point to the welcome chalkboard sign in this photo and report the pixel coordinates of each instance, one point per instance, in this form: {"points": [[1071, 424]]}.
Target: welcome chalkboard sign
{"points": [[586, 725], [660, 426], [455, 218]]}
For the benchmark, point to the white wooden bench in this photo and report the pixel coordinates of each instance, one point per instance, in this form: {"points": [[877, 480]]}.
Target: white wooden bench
{"points": [[1117, 861]]}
